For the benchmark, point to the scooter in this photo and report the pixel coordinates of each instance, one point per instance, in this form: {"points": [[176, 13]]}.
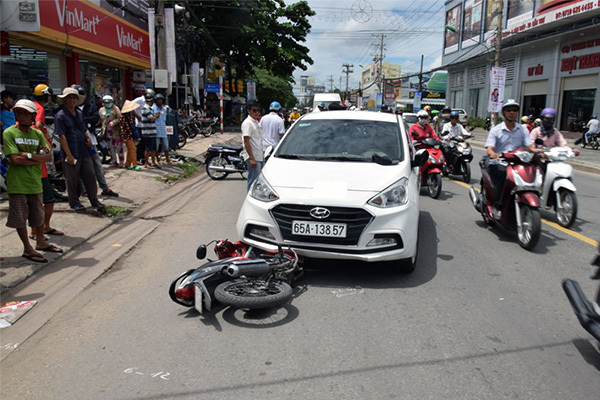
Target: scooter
{"points": [[558, 191], [458, 156], [520, 209], [206, 125], [223, 159], [592, 142], [588, 312], [430, 172], [242, 277]]}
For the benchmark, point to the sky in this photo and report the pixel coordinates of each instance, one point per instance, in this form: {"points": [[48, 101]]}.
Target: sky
{"points": [[349, 32]]}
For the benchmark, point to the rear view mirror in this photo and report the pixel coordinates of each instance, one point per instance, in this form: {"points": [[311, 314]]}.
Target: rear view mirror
{"points": [[201, 252], [420, 158], [268, 152]]}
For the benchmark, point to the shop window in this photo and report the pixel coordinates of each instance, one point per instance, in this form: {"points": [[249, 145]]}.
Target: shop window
{"points": [[457, 99], [577, 107], [99, 80], [23, 69], [534, 104]]}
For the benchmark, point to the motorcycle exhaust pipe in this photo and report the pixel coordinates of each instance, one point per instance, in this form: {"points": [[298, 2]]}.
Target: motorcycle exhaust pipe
{"points": [[247, 268], [475, 198], [223, 169]]}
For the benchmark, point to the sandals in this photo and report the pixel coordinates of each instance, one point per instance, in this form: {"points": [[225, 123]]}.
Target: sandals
{"points": [[51, 248], [37, 257], [54, 232]]}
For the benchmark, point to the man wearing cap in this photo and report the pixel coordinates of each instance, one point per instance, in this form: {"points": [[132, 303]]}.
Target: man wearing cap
{"points": [[27, 149], [77, 162], [162, 140]]}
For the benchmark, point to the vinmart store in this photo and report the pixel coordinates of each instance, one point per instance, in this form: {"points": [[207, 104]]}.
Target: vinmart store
{"points": [[61, 43]]}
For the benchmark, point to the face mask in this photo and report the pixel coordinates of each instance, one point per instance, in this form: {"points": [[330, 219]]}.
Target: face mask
{"points": [[108, 105]]}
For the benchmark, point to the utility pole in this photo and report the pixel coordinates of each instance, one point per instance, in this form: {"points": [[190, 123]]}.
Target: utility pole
{"points": [[330, 80], [380, 75], [161, 39], [497, 59], [421, 75], [348, 71]]}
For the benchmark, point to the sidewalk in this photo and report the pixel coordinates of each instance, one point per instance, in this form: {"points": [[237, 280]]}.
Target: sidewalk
{"points": [[588, 159], [134, 189]]}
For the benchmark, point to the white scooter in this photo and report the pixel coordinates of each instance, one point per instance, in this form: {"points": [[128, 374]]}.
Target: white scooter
{"points": [[558, 190]]}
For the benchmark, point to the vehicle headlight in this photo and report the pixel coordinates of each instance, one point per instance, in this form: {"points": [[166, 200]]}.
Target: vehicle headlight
{"points": [[432, 159], [524, 156], [262, 191], [393, 196]]}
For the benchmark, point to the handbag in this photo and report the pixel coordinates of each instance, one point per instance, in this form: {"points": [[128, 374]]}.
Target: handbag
{"points": [[135, 133]]}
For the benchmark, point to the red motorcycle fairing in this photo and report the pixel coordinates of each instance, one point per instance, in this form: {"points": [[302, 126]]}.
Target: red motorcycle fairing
{"points": [[525, 171], [529, 198]]}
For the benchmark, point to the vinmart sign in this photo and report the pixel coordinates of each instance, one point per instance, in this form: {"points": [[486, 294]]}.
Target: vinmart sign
{"points": [[81, 24]]}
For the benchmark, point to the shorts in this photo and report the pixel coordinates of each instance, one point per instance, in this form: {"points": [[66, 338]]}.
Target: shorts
{"points": [[164, 142], [24, 207], [48, 191], [150, 143]]}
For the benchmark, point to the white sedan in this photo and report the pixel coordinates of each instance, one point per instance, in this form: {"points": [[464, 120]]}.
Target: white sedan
{"points": [[340, 185]]}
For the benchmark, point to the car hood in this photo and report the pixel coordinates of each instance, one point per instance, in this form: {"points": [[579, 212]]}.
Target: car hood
{"points": [[329, 179]]}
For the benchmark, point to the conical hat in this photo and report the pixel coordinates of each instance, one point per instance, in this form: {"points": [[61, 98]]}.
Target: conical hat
{"points": [[129, 106]]}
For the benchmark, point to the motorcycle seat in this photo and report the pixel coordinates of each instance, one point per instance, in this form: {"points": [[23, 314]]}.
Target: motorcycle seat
{"points": [[235, 147]]}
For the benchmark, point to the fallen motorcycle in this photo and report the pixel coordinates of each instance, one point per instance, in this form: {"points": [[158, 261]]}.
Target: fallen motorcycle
{"points": [[223, 159], [242, 277], [588, 312]]}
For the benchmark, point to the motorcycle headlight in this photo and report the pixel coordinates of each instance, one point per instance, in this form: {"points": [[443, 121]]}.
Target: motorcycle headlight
{"points": [[393, 196], [467, 150], [432, 159], [262, 191], [524, 156]]}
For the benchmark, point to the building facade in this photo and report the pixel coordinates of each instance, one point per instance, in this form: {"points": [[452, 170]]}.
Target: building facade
{"points": [[371, 82], [93, 43], [550, 49]]}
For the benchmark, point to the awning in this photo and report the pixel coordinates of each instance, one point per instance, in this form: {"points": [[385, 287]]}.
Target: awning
{"points": [[431, 102]]}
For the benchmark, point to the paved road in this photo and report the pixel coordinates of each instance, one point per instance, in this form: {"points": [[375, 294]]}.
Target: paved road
{"points": [[479, 318]]}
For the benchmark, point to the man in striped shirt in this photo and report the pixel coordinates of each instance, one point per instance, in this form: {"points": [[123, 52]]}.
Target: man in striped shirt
{"points": [[148, 129]]}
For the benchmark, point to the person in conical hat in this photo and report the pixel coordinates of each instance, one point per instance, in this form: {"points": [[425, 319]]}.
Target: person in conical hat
{"points": [[126, 121]]}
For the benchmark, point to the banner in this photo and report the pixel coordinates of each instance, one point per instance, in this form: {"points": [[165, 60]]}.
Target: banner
{"points": [[170, 39], [251, 90], [472, 23], [497, 83], [519, 11], [417, 102]]}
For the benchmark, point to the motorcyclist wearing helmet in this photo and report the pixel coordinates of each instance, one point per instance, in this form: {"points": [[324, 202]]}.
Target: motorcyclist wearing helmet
{"points": [[547, 132], [593, 127], [506, 136], [294, 115], [428, 110], [320, 107], [453, 128], [441, 119], [525, 123], [272, 126], [422, 130]]}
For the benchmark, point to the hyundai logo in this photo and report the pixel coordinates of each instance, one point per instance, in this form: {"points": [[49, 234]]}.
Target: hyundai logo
{"points": [[320, 213]]}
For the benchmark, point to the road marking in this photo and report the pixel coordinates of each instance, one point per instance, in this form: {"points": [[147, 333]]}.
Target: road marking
{"points": [[576, 235]]}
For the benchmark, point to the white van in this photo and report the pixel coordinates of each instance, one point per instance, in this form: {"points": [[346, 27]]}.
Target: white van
{"points": [[326, 98]]}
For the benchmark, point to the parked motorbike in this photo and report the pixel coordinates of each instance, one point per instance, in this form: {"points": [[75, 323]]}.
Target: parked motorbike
{"points": [[588, 312], [102, 146], [430, 172], [520, 209], [242, 277], [183, 133], [206, 125], [223, 159], [488, 124], [458, 155], [558, 190]]}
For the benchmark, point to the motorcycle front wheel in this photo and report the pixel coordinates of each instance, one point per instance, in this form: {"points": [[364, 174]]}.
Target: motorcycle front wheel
{"points": [[466, 172], [181, 140], [207, 131], [531, 227], [219, 162], [253, 293], [434, 185], [568, 212]]}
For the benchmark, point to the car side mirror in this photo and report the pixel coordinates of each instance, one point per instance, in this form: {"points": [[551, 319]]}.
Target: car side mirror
{"points": [[201, 252], [420, 158]]}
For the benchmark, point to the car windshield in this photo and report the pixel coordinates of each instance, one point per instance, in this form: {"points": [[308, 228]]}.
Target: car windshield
{"points": [[343, 140]]}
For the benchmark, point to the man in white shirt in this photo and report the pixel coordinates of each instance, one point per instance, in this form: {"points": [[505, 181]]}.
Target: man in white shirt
{"points": [[593, 127], [252, 142], [272, 126]]}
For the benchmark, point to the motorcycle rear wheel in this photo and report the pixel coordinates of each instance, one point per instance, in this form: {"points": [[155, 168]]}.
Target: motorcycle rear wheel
{"points": [[531, 227], [216, 161], [567, 214], [466, 172], [253, 294], [207, 131], [434, 185]]}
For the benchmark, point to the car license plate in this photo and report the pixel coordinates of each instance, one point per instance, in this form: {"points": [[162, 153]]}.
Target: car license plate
{"points": [[198, 299], [323, 229]]}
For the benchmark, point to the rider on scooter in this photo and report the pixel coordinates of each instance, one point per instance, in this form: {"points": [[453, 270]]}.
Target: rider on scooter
{"points": [[422, 130], [506, 136], [453, 128], [547, 132]]}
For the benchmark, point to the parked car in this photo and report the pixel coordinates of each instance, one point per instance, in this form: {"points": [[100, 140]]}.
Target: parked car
{"points": [[410, 118], [462, 115], [340, 185]]}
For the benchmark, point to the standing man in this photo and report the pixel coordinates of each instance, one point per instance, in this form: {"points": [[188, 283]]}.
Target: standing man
{"points": [[148, 129], [77, 162], [506, 136], [27, 149], [42, 94], [7, 116], [272, 126], [252, 142], [162, 140]]}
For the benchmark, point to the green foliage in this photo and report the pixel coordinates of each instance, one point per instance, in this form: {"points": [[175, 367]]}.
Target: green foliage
{"points": [[116, 211], [476, 122], [271, 88]]}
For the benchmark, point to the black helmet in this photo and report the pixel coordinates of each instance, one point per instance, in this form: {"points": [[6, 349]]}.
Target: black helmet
{"points": [[149, 94], [80, 89]]}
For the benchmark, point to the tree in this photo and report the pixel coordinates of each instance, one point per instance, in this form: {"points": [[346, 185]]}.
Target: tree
{"points": [[271, 88], [252, 34]]}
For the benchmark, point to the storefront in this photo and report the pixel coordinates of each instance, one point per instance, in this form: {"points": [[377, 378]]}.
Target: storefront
{"points": [[90, 43]]}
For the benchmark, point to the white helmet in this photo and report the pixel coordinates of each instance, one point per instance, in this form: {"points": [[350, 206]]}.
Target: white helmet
{"points": [[107, 99], [26, 105], [423, 114]]}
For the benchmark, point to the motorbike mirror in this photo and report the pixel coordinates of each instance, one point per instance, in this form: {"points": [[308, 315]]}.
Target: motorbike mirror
{"points": [[201, 252], [420, 158], [539, 141]]}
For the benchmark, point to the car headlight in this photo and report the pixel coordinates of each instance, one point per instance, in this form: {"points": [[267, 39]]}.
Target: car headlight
{"points": [[393, 196], [261, 190]]}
